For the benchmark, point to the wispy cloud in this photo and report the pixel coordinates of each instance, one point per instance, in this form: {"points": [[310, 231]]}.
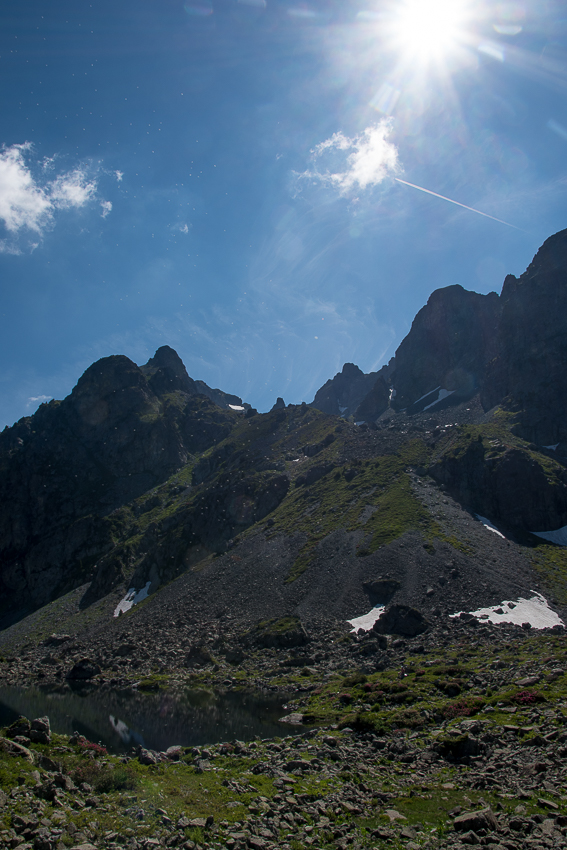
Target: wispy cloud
{"points": [[29, 202], [356, 163], [38, 399]]}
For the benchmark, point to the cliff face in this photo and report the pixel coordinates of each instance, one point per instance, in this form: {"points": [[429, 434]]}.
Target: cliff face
{"points": [[529, 369], [450, 342], [349, 389], [511, 349]]}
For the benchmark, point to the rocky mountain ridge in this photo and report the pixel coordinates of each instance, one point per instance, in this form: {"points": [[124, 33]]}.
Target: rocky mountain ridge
{"points": [[144, 477], [509, 348]]}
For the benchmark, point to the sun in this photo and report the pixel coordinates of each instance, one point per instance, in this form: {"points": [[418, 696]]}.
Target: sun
{"points": [[429, 29]]}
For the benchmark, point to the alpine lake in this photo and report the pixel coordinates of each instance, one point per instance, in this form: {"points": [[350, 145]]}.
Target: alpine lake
{"points": [[120, 720]]}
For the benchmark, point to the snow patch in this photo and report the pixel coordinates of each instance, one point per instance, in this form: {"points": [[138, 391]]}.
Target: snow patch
{"points": [[489, 525], [360, 422], [426, 394], [367, 620], [535, 611], [342, 409], [235, 407], [553, 448], [132, 598], [559, 536], [442, 395]]}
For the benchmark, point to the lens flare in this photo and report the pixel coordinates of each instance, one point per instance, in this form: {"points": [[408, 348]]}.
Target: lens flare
{"points": [[428, 29]]}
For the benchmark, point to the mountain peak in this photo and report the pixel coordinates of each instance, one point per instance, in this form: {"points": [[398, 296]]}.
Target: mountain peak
{"points": [[166, 357], [552, 256], [166, 373]]}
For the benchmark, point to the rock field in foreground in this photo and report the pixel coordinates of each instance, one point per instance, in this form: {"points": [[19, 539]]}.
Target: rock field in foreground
{"points": [[453, 739]]}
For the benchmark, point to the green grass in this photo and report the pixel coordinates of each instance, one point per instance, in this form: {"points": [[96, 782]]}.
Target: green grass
{"points": [[382, 702]]}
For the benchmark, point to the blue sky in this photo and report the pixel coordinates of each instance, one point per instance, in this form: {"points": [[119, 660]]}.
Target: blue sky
{"points": [[231, 178]]}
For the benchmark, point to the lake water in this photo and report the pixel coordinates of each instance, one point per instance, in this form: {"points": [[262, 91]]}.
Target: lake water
{"points": [[121, 720]]}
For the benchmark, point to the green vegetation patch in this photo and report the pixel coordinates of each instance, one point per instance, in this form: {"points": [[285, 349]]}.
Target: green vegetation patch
{"points": [[372, 499]]}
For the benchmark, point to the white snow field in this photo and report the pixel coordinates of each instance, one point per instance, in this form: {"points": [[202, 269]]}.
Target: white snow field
{"points": [[559, 536], [442, 395], [367, 620], [487, 524], [132, 598], [534, 611]]}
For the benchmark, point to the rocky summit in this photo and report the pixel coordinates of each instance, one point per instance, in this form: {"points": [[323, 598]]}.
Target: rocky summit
{"points": [[389, 560]]}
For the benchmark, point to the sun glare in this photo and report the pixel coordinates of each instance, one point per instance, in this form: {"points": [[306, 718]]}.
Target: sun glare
{"points": [[428, 29]]}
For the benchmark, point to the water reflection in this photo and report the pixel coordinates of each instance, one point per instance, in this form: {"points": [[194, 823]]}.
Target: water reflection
{"points": [[126, 719]]}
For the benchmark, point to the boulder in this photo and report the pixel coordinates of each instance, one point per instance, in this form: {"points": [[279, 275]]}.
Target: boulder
{"points": [[401, 620], [40, 732], [83, 670], [14, 749], [483, 819], [21, 726]]}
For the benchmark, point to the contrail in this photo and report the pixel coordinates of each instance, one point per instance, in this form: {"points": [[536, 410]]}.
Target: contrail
{"points": [[464, 206]]}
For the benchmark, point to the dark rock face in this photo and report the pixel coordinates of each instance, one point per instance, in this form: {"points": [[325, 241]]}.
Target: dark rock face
{"points": [[343, 394], [511, 348], [374, 403], [450, 342], [510, 486], [530, 366], [70, 465]]}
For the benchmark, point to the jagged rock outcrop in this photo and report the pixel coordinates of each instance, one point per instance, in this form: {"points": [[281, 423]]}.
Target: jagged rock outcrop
{"points": [[344, 394], [529, 368], [166, 373], [512, 349], [448, 347], [509, 485], [375, 403]]}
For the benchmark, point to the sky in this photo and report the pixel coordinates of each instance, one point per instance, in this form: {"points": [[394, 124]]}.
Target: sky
{"points": [[271, 187]]}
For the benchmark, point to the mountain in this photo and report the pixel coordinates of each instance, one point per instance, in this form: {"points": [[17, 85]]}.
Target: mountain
{"points": [[451, 341], [510, 349], [146, 481], [352, 393], [157, 535], [122, 431]]}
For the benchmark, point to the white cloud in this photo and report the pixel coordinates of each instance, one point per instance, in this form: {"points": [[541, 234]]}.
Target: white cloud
{"points": [[106, 208], [22, 202], [359, 162], [29, 202], [71, 190], [119, 175], [184, 228], [35, 399]]}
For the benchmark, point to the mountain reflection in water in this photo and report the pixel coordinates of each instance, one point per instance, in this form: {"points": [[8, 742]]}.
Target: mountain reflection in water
{"points": [[121, 720]]}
